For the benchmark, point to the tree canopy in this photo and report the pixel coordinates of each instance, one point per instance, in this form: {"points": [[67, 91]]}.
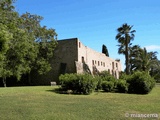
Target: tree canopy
{"points": [[105, 50], [124, 36], [25, 45]]}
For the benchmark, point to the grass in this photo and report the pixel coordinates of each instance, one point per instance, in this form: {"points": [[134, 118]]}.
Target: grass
{"points": [[42, 103]]}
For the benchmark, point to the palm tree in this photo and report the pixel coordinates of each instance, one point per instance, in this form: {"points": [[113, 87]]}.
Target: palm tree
{"points": [[155, 71], [134, 56], [142, 60], [124, 37]]}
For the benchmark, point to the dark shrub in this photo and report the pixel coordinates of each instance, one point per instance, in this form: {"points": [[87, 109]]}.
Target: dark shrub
{"points": [[99, 83], [122, 86], [107, 82], [107, 86], [78, 83], [68, 81], [140, 83], [123, 76], [88, 84]]}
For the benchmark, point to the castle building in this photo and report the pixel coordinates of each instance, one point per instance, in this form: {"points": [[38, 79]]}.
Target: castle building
{"points": [[71, 56]]}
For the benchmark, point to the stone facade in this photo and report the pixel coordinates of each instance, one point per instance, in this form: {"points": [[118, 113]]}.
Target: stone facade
{"points": [[71, 56], [96, 61]]}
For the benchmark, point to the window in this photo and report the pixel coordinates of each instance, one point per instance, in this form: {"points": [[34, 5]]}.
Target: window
{"points": [[113, 65], [92, 62], [79, 44], [83, 60], [63, 67], [117, 65], [98, 63], [104, 64]]}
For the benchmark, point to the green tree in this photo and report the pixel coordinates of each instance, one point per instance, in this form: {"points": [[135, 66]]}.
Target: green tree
{"points": [[24, 44], [155, 71], [124, 36], [142, 60], [44, 41], [135, 54], [6, 35], [105, 50]]}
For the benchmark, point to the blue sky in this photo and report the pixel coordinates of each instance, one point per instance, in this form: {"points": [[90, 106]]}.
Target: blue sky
{"points": [[95, 22]]}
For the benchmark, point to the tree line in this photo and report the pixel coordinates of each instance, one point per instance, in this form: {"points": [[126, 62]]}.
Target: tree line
{"points": [[25, 45]]}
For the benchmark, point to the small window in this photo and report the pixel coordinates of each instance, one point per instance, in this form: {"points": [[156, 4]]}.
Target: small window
{"points": [[117, 65], [113, 65], [101, 63], [83, 60], [98, 63], [104, 64], [92, 62], [79, 44], [95, 62], [63, 67]]}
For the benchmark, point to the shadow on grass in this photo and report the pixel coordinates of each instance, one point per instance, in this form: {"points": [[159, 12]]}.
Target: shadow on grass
{"points": [[56, 90], [61, 91], [158, 84], [69, 92]]}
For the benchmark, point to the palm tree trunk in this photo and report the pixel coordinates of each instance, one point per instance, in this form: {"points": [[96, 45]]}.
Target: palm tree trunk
{"points": [[127, 57]]}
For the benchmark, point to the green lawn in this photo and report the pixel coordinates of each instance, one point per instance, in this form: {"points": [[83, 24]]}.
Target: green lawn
{"points": [[42, 103]]}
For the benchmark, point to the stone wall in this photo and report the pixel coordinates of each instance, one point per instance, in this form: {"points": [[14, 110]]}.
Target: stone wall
{"points": [[63, 61], [71, 56], [98, 61]]}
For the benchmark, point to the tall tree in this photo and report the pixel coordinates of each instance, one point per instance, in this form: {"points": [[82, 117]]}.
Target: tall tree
{"points": [[105, 50], [44, 41], [19, 50], [6, 35], [124, 36]]}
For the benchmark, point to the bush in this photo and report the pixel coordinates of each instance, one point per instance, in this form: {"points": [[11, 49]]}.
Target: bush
{"points": [[107, 86], [122, 86], [67, 81], [78, 83], [99, 83], [140, 83], [123, 76], [106, 81], [105, 76]]}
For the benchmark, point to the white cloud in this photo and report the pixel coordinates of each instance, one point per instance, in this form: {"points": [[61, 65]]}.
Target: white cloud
{"points": [[153, 47]]}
